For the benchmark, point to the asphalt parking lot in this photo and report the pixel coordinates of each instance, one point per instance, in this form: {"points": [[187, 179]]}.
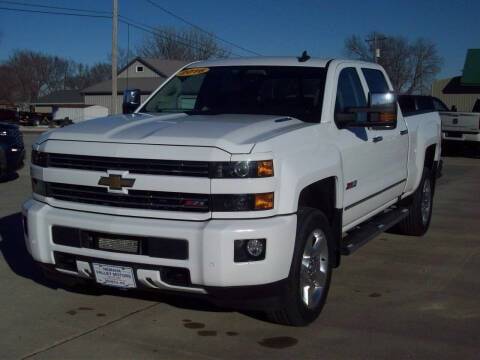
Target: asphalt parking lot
{"points": [[396, 298]]}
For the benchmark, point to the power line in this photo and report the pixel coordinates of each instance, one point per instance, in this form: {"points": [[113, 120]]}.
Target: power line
{"points": [[154, 31], [178, 17], [165, 35], [55, 13], [96, 14], [107, 14], [23, 3]]}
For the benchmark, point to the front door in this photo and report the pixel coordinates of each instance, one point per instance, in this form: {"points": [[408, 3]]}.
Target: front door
{"points": [[391, 145], [357, 147]]}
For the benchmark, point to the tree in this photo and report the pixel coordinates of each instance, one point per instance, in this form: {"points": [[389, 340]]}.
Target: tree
{"points": [[28, 75], [187, 44], [123, 57], [411, 66], [85, 76], [8, 90]]}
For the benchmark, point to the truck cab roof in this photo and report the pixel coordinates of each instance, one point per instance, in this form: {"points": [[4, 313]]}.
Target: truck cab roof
{"points": [[274, 61], [262, 61]]}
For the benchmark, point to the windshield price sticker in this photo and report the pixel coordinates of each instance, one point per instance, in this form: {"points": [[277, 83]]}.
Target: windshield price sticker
{"points": [[193, 72]]}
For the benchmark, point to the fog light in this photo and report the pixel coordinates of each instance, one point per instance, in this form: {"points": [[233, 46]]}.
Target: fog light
{"points": [[249, 250], [255, 247]]}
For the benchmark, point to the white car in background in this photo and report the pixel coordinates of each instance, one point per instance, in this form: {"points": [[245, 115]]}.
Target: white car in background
{"points": [[456, 126]]}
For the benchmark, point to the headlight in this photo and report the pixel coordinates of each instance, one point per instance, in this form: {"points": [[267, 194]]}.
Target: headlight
{"points": [[242, 169], [3, 133], [242, 202], [39, 158]]}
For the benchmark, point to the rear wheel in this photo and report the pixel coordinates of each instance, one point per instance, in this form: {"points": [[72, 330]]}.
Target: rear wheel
{"points": [[310, 271], [420, 209]]}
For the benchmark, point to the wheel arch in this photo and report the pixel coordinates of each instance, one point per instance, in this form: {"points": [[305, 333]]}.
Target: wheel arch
{"points": [[323, 195]]}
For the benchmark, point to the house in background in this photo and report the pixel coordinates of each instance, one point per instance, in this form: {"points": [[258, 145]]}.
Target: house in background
{"points": [[68, 104], [141, 73], [463, 92]]}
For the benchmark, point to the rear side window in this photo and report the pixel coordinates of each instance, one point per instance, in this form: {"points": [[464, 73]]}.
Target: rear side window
{"points": [[439, 105], [407, 103], [350, 93], [376, 81], [425, 103]]}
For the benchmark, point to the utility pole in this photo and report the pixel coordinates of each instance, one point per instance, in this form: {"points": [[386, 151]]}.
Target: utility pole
{"points": [[113, 109], [376, 45]]}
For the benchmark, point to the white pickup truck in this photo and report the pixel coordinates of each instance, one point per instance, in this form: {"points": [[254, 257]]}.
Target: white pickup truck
{"points": [[242, 180], [456, 126]]}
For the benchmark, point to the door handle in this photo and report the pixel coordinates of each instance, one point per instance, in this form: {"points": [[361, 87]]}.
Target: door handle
{"points": [[377, 139], [404, 132]]}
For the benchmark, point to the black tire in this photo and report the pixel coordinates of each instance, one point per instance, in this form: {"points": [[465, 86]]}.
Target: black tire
{"points": [[296, 312], [416, 224]]}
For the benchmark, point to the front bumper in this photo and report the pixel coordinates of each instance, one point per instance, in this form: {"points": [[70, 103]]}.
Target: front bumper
{"points": [[211, 247]]}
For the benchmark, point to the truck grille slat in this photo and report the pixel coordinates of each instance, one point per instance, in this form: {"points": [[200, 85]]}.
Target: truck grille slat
{"points": [[134, 166], [138, 199]]}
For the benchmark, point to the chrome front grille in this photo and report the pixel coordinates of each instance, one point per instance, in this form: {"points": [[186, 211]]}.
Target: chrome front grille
{"points": [[134, 166], [137, 199]]}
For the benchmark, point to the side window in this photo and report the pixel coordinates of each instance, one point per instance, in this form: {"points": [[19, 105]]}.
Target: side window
{"points": [[350, 93], [425, 103], [439, 105], [407, 103], [375, 80]]}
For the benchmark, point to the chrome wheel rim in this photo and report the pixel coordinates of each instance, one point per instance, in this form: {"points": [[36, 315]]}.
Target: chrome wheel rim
{"points": [[426, 205], [314, 267]]}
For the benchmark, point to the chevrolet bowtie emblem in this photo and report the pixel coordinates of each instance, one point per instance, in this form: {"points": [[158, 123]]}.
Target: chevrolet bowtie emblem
{"points": [[116, 182]]}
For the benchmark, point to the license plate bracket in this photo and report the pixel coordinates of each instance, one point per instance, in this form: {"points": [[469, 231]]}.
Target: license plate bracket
{"points": [[114, 275]]}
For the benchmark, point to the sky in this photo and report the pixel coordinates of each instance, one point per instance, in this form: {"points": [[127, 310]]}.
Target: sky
{"points": [[269, 27]]}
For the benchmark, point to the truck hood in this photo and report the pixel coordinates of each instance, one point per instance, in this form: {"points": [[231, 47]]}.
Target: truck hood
{"points": [[233, 133]]}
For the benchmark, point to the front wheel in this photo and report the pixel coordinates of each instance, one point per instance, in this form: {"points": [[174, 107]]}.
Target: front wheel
{"points": [[310, 272]]}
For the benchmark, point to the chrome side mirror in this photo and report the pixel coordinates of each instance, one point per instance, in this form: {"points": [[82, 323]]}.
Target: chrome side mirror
{"points": [[383, 102]]}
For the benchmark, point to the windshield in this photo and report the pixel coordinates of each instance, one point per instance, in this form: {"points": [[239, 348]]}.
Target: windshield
{"points": [[285, 91]]}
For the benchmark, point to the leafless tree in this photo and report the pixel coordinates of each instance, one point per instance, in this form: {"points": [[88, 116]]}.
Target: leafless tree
{"points": [[84, 75], [28, 75], [30, 72], [123, 57], [411, 66], [186, 44], [8, 89]]}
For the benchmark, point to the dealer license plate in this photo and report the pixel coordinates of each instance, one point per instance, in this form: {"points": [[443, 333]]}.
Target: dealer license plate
{"points": [[114, 275]]}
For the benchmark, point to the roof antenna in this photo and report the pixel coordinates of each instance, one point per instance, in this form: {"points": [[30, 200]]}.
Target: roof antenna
{"points": [[304, 57]]}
